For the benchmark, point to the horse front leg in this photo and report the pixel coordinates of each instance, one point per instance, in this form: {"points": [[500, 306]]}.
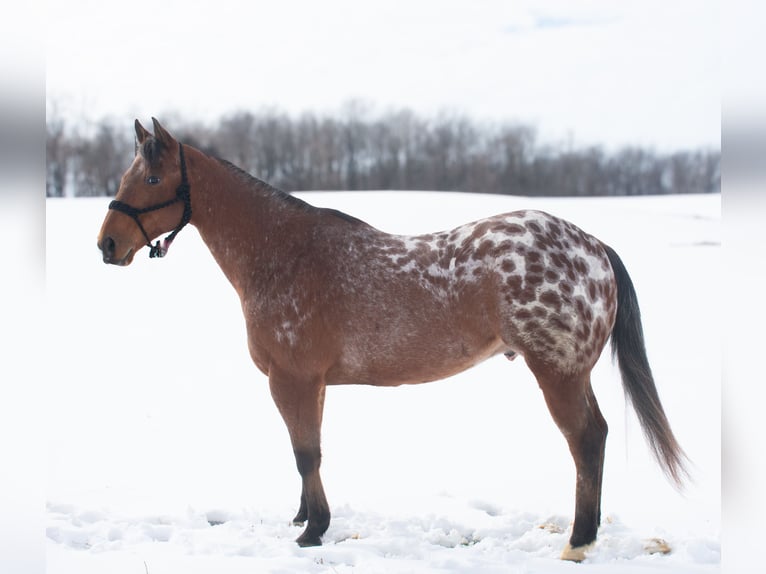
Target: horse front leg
{"points": [[301, 404]]}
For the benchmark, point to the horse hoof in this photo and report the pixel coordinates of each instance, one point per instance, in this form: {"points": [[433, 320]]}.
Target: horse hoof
{"points": [[305, 541], [576, 554]]}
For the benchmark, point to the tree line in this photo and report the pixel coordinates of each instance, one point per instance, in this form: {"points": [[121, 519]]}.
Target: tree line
{"points": [[356, 150]]}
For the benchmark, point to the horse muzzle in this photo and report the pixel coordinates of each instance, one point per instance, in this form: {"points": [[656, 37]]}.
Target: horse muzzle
{"points": [[108, 248]]}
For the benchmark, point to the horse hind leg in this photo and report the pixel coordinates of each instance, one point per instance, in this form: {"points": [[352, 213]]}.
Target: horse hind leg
{"points": [[575, 411]]}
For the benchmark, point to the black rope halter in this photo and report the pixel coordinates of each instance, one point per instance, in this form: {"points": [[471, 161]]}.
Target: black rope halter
{"points": [[183, 194]]}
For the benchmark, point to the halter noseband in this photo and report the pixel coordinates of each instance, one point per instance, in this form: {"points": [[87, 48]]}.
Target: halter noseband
{"points": [[183, 194]]}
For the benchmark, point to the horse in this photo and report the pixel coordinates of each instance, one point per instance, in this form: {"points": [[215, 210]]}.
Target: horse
{"points": [[331, 300]]}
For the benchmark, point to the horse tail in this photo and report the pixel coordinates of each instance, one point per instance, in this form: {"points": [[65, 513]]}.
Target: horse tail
{"points": [[637, 381]]}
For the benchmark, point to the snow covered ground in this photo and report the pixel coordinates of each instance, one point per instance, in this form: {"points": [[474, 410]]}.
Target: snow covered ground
{"points": [[166, 453]]}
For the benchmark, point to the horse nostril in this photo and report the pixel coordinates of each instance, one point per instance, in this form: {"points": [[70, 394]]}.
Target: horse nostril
{"points": [[107, 248]]}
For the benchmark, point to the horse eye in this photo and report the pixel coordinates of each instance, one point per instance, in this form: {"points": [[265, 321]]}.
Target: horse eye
{"points": [[152, 180]]}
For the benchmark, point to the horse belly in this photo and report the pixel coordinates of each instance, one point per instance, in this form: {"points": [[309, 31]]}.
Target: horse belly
{"points": [[417, 358]]}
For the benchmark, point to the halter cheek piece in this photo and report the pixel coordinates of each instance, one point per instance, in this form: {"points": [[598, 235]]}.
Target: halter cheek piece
{"points": [[182, 194]]}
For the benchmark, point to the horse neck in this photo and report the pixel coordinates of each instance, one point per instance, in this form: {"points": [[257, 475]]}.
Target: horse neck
{"points": [[240, 218]]}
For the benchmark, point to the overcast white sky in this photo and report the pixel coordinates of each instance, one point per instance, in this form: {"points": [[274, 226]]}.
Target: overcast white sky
{"points": [[602, 71]]}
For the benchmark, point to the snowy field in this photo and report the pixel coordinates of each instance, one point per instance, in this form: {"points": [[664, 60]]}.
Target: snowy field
{"points": [[167, 455]]}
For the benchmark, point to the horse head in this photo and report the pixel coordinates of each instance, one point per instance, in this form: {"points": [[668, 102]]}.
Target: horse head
{"points": [[153, 198]]}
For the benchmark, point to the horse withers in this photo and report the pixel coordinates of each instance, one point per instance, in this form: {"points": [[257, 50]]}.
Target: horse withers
{"points": [[330, 300]]}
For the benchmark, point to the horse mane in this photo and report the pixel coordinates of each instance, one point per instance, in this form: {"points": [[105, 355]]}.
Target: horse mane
{"points": [[284, 196]]}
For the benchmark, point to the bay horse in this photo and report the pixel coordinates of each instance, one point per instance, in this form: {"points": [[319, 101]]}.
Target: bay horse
{"points": [[330, 300]]}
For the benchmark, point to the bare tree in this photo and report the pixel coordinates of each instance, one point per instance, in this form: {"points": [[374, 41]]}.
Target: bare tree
{"points": [[101, 160], [57, 157]]}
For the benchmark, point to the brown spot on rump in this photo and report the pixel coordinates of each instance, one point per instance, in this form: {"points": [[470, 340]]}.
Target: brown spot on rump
{"points": [[583, 310], [539, 311], [573, 233], [514, 229], [554, 229], [431, 257], [480, 230], [461, 256], [558, 259], [543, 242], [534, 279], [534, 227], [592, 290], [551, 299], [501, 249], [551, 276], [580, 308], [522, 314], [533, 256], [527, 295], [423, 241], [581, 266], [591, 248], [602, 289], [514, 283], [483, 250], [566, 288], [508, 266]]}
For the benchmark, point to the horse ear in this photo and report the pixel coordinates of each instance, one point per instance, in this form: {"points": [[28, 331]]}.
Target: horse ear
{"points": [[141, 133], [161, 133]]}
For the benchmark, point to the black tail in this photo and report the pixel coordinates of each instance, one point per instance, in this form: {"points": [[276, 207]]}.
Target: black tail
{"points": [[637, 381]]}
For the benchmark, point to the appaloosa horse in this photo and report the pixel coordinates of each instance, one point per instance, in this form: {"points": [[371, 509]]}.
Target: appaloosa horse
{"points": [[330, 300]]}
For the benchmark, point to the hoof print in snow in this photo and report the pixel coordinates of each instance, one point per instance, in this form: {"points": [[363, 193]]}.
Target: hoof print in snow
{"points": [[551, 527], [657, 546]]}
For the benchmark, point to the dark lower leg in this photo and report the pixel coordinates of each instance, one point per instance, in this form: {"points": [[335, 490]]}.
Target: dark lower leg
{"points": [[313, 501], [587, 500], [588, 452]]}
